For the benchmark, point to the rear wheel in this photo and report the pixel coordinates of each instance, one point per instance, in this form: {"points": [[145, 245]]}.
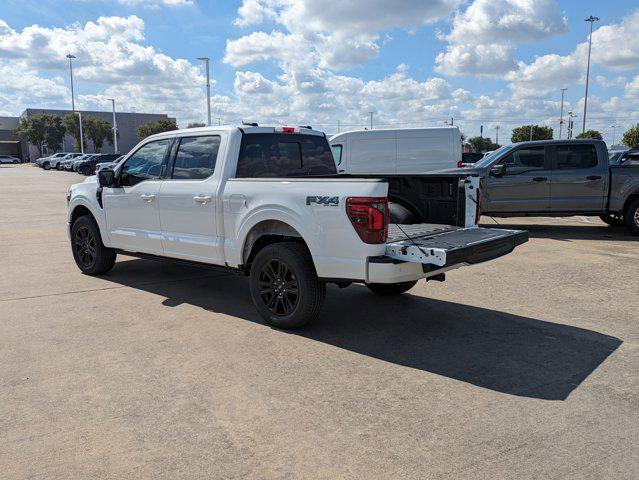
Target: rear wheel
{"points": [[89, 253], [612, 219], [631, 216], [284, 285], [390, 288]]}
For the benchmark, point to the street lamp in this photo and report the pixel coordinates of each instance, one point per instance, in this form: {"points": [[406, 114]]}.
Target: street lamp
{"points": [[71, 57], [561, 115], [208, 90], [115, 127], [81, 137], [592, 21]]}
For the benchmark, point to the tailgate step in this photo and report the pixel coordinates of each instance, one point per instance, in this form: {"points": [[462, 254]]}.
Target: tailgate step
{"points": [[461, 245]]}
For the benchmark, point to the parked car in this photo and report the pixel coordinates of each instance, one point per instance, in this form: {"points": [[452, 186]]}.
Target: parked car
{"points": [[55, 162], [101, 165], [67, 162], [267, 202], [630, 156], [559, 178], [87, 167], [45, 162], [401, 150], [9, 159]]}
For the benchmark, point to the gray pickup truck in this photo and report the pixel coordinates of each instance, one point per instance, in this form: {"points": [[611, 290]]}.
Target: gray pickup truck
{"points": [[559, 178]]}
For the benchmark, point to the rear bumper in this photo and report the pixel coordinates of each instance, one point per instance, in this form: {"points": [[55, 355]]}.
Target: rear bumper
{"points": [[384, 269]]}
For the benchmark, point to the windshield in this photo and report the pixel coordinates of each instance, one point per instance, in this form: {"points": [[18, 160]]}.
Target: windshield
{"points": [[489, 157]]}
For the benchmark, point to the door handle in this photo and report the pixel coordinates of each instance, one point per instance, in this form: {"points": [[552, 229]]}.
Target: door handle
{"points": [[539, 179], [202, 199], [593, 177], [147, 197]]}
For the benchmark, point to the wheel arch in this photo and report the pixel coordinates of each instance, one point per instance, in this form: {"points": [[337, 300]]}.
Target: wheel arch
{"points": [[268, 232]]}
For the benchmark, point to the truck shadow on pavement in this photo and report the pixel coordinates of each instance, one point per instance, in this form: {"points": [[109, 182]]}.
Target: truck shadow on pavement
{"points": [[487, 348], [571, 232]]}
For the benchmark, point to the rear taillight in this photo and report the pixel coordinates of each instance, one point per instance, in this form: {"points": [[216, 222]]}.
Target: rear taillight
{"points": [[460, 164], [478, 211], [369, 217]]}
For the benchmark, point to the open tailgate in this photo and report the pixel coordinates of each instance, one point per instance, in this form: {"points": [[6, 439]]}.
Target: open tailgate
{"points": [[445, 245]]}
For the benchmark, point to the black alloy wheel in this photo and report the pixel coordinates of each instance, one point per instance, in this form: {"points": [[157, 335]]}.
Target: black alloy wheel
{"points": [[85, 247], [278, 287]]}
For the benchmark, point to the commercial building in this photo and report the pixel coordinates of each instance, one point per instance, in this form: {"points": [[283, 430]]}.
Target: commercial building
{"points": [[128, 123]]}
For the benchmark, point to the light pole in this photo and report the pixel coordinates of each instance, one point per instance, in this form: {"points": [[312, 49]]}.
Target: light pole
{"points": [[561, 115], [71, 57], [208, 90], [592, 21], [81, 137], [371, 114], [614, 131], [497, 134], [115, 127]]}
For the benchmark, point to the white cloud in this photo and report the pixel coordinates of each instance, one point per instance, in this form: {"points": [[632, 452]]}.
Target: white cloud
{"points": [[157, 3], [337, 33], [613, 46], [610, 82], [110, 52], [483, 38]]}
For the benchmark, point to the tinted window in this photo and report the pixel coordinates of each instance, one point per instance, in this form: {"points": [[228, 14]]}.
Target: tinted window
{"points": [[524, 160], [145, 164], [195, 158], [337, 153], [284, 155], [576, 156]]}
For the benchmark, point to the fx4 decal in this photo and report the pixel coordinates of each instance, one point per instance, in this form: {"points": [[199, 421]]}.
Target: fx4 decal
{"points": [[323, 200]]}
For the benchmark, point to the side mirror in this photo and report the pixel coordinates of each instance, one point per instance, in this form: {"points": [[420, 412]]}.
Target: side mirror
{"points": [[106, 177], [498, 170]]}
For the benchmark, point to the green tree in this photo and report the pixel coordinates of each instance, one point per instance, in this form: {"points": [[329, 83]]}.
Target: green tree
{"points": [[522, 134], [72, 127], [195, 125], [151, 128], [631, 137], [482, 144], [98, 131], [590, 134], [40, 129]]}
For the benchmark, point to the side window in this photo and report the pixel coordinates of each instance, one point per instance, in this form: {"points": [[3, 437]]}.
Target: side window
{"points": [[337, 153], [196, 157], [524, 160], [576, 156], [144, 164]]}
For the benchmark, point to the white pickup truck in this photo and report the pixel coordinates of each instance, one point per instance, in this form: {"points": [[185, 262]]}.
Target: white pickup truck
{"points": [[267, 201]]}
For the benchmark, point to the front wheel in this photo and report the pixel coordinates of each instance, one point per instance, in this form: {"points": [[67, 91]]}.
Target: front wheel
{"points": [[390, 288], [89, 253], [46, 166], [284, 285], [612, 220], [631, 217]]}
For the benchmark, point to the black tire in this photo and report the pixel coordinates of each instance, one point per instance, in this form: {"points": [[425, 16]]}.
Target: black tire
{"points": [[631, 216], [288, 296], [399, 214], [390, 288], [46, 166], [89, 253], [612, 220], [86, 171]]}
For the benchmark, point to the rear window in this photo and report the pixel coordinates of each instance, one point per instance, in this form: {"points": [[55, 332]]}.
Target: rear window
{"points": [[284, 155]]}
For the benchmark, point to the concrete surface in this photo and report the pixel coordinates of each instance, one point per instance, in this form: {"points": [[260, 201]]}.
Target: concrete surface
{"points": [[524, 367]]}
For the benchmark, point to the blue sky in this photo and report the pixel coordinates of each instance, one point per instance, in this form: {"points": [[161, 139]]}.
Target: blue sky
{"points": [[497, 62]]}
